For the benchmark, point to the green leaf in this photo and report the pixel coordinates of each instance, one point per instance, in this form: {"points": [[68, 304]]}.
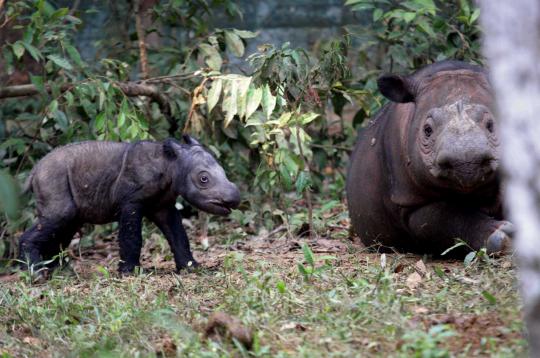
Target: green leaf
{"points": [[60, 62], [213, 58], [268, 101], [474, 16], [99, 123], [439, 271], [18, 49], [281, 287], [308, 255], [302, 270], [428, 5], [9, 192], [464, 4], [230, 103], [52, 107], [461, 243], [61, 120], [289, 162], [214, 93], [253, 100], [234, 43], [362, 7], [408, 16], [59, 13], [284, 119], [33, 51], [308, 118], [488, 296], [245, 34], [377, 14], [38, 82], [102, 98], [121, 119], [285, 176], [426, 27], [469, 258], [74, 55], [302, 182], [243, 88]]}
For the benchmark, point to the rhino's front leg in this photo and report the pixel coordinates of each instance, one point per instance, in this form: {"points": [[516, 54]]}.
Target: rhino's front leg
{"points": [[130, 237], [169, 221], [439, 224]]}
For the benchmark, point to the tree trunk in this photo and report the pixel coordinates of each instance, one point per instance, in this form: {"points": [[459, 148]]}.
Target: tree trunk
{"points": [[512, 46]]}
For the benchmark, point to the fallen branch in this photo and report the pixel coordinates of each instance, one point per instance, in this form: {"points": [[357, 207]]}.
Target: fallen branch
{"points": [[130, 89], [227, 326]]}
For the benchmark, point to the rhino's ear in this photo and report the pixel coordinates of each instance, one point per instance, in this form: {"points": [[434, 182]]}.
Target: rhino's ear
{"points": [[396, 88], [189, 140], [170, 149]]}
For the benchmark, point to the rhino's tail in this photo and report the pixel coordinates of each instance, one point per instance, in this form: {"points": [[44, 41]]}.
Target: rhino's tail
{"points": [[27, 187]]}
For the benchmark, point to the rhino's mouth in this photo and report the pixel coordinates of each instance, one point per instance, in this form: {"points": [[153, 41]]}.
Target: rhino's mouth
{"points": [[467, 177], [218, 207]]}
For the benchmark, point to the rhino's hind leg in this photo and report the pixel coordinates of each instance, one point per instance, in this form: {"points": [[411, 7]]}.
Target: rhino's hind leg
{"points": [[44, 240], [59, 241], [437, 226]]}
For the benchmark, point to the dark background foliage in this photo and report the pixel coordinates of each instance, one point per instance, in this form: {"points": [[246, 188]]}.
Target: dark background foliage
{"points": [[276, 91]]}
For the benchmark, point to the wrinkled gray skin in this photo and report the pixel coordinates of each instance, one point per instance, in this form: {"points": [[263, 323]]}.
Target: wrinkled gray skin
{"points": [[100, 182], [426, 169]]}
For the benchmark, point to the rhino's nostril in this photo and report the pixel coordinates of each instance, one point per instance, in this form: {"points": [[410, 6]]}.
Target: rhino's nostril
{"points": [[486, 162], [233, 200], [445, 162]]}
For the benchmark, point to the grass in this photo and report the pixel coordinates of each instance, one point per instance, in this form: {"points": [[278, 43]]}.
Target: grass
{"points": [[297, 301]]}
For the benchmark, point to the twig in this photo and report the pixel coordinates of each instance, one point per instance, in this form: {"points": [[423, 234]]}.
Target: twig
{"points": [[158, 79], [141, 36], [346, 149], [73, 8], [275, 231], [307, 193]]}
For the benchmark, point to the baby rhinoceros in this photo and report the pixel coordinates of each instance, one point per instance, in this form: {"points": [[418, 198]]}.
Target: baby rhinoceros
{"points": [[100, 182], [426, 170]]}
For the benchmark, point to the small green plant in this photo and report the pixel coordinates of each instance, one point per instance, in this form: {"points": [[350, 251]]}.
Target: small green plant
{"points": [[310, 269], [422, 344], [473, 256]]}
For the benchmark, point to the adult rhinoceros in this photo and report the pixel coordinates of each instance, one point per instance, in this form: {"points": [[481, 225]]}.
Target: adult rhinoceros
{"points": [[425, 171]]}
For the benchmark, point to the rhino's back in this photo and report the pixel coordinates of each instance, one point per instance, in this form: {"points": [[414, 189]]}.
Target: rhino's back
{"points": [[82, 174]]}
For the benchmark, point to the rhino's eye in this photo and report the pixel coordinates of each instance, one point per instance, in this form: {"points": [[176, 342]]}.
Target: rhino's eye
{"points": [[204, 179], [489, 125], [428, 131]]}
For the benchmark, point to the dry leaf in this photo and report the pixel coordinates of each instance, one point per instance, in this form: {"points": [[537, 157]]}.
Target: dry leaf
{"points": [[420, 310], [293, 325], [421, 267], [33, 341], [413, 280]]}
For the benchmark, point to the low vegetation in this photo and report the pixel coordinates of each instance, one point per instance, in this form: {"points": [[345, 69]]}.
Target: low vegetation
{"points": [[297, 297]]}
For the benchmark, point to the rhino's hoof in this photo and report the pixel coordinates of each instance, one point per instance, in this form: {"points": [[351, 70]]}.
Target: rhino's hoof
{"points": [[191, 266], [499, 242]]}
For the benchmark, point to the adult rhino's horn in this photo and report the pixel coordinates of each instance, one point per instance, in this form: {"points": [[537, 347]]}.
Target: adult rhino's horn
{"points": [[396, 88], [189, 140]]}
